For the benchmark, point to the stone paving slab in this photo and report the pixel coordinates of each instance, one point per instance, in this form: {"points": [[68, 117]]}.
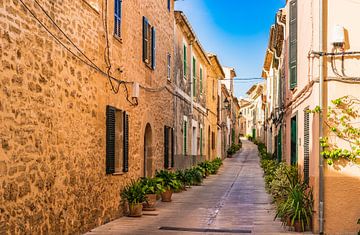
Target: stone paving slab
{"points": [[235, 199]]}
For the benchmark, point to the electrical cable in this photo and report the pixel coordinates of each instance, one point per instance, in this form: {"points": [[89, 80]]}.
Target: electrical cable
{"points": [[107, 50], [89, 62]]}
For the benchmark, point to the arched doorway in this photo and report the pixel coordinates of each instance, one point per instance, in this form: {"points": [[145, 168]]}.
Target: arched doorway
{"points": [[147, 166]]}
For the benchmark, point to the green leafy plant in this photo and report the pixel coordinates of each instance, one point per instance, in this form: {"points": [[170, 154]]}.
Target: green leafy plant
{"points": [[134, 193], [152, 185], [169, 180]]}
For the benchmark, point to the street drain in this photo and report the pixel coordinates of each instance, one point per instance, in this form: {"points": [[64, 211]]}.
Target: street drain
{"points": [[205, 230]]}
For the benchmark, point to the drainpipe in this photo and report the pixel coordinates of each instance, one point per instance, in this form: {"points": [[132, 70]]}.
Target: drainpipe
{"points": [[321, 159]]}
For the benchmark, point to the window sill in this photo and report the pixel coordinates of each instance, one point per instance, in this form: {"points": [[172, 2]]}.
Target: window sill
{"points": [[118, 173], [119, 39]]}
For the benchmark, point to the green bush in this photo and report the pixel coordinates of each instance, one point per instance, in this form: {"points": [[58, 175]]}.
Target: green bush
{"points": [[233, 148], [134, 192], [169, 180], [152, 185]]}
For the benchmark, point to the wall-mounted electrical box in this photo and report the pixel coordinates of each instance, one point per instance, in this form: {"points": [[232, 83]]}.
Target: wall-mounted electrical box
{"points": [[338, 36], [135, 90]]}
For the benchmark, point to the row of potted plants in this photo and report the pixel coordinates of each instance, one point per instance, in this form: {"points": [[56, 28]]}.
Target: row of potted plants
{"points": [[233, 149], [292, 197], [142, 194]]}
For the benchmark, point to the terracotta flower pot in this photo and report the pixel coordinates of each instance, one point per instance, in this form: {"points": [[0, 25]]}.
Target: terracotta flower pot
{"points": [[135, 209], [166, 196], [297, 226], [150, 204]]}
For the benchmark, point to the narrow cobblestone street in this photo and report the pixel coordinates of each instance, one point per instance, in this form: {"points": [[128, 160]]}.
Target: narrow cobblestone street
{"points": [[234, 201]]}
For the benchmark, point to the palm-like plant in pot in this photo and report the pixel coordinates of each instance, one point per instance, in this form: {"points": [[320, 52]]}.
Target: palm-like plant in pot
{"points": [[299, 206], [169, 182], [152, 187], [134, 194]]}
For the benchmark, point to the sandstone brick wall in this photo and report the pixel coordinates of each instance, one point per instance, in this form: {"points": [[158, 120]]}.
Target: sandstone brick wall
{"points": [[52, 113]]}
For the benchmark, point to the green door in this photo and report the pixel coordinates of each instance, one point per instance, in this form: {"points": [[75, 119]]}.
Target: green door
{"points": [[294, 140], [279, 145], [254, 133]]}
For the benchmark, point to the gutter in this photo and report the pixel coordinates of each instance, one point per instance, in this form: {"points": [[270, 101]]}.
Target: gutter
{"points": [[321, 84]]}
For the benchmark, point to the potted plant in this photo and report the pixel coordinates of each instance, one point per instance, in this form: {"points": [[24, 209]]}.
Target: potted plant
{"points": [[169, 183], [152, 187], [299, 206], [134, 194]]}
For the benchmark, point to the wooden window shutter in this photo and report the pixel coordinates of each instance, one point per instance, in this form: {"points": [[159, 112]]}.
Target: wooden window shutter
{"points": [[201, 141], [117, 18], [293, 44], [194, 76], [126, 143], [306, 145], [153, 47], [185, 140], [201, 81], [145, 40], [172, 147], [110, 139], [166, 147]]}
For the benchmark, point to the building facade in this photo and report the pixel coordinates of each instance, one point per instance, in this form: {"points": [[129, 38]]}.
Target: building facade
{"points": [[319, 69], [85, 94], [257, 111]]}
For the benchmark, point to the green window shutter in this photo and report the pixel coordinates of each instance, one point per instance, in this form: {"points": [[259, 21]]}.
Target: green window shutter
{"points": [[194, 76], [153, 48], [293, 44], [185, 143], [201, 141], [145, 39], [279, 145], [172, 147], [166, 147], [185, 62], [306, 145], [126, 143], [201, 81], [110, 139]]}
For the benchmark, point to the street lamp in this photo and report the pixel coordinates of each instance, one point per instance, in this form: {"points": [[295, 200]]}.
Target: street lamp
{"points": [[226, 103]]}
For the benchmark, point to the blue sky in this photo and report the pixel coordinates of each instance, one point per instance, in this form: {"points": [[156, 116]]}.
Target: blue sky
{"points": [[236, 30]]}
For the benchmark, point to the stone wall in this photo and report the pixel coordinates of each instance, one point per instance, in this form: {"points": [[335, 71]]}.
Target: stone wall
{"points": [[52, 112]]}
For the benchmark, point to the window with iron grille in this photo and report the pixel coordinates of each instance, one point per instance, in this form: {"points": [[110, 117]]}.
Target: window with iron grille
{"points": [[306, 144], [117, 140], [117, 18]]}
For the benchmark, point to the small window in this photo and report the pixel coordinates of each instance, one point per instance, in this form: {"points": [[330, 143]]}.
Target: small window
{"points": [[194, 76], [117, 18], [169, 66], [201, 81], [201, 141], [185, 61], [149, 44], [117, 140], [185, 138]]}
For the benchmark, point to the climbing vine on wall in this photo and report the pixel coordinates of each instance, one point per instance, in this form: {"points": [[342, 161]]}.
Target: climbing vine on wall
{"points": [[343, 122]]}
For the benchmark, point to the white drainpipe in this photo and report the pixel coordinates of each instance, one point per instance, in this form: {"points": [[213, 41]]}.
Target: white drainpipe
{"points": [[321, 84]]}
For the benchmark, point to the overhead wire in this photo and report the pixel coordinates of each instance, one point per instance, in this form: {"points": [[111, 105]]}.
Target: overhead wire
{"points": [[87, 61]]}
